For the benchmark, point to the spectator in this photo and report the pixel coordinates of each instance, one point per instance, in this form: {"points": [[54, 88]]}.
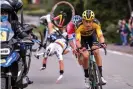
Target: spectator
{"points": [[123, 30], [131, 30], [119, 25]]}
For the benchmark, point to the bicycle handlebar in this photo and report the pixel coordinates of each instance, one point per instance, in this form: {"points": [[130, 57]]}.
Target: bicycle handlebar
{"points": [[99, 46]]}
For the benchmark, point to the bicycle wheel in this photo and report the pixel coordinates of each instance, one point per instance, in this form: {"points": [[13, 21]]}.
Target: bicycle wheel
{"points": [[91, 75], [45, 41], [97, 77], [94, 76], [62, 13]]}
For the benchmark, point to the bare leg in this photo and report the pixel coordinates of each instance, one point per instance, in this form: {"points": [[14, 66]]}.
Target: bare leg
{"points": [[61, 65], [44, 64]]}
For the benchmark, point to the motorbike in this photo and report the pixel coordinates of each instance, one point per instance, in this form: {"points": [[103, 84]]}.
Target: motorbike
{"points": [[15, 58]]}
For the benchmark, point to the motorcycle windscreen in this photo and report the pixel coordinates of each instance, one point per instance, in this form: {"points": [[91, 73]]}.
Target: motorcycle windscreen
{"points": [[6, 34]]}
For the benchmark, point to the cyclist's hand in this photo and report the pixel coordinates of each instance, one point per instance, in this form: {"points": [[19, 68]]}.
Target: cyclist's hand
{"points": [[104, 45], [74, 51], [81, 50]]}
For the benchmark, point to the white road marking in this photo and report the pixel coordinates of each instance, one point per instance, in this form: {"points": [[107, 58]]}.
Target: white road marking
{"points": [[118, 53]]}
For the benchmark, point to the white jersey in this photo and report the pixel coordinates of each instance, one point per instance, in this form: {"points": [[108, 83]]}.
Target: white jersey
{"points": [[62, 42], [57, 47]]}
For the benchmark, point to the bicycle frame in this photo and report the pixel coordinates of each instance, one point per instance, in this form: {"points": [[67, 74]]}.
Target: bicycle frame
{"points": [[91, 61], [44, 44], [92, 58], [46, 35], [94, 74]]}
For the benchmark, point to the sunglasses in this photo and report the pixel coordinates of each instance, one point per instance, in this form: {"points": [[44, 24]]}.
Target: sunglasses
{"points": [[88, 21]]}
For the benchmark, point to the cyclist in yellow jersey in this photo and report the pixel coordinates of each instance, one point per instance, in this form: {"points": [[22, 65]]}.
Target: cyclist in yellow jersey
{"points": [[89, 31]]}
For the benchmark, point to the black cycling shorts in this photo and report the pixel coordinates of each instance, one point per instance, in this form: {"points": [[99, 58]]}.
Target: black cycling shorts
{"points": [[89, 40]]}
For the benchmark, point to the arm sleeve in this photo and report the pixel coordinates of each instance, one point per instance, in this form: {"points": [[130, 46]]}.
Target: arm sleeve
{"points": [[98, 30], [70, 31], [78, 35]]}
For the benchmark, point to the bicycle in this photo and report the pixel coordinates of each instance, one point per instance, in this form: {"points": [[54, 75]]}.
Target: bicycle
{"points": [[43, 43], [94, 74], [60, 16], [61, 13]]}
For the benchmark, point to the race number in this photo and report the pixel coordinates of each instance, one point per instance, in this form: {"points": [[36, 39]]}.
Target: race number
{"points": [[3, 35]]}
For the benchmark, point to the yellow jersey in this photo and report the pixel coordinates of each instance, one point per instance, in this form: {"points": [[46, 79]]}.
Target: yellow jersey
{"points": [[82, 31]]}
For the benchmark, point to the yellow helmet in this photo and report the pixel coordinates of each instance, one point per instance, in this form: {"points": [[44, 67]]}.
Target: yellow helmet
{"points": [[88, 15]]}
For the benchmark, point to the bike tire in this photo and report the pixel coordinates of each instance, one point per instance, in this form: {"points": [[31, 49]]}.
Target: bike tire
{"points": [[97, 77], [52, 14], [91, 76], [94, 76]]}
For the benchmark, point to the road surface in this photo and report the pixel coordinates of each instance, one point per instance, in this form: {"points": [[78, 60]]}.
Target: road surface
{"points": [[117, 70]]}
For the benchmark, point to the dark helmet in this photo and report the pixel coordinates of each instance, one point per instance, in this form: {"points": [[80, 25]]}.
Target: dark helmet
{"points": [[5, 6], [16, 4]]}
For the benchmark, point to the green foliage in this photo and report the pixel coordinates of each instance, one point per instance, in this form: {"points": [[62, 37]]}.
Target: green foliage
{"points": [[108, 12], [25, 2], [35, 12], [111, 34]]}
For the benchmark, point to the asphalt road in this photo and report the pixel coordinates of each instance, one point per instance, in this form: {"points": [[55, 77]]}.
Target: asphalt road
{"points": [[117, 70]]}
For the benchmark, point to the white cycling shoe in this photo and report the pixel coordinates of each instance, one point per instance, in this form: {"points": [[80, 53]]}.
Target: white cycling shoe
{"points": [[87, 83], [59, 78], [42, 68], [103, 81]]}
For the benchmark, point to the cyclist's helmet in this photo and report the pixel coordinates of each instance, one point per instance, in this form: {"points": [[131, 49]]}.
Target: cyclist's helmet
{"points": [[16, 4], [5, 6], [76, 18], [88, 15]]}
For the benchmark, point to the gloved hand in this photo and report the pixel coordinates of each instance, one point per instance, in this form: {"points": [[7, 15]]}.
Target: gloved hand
{"points": [[21, 33], [25, 31], [104, 45], [43, 20]]}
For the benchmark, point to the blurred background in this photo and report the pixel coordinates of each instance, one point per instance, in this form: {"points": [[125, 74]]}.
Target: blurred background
{"points": [[111, 14]]}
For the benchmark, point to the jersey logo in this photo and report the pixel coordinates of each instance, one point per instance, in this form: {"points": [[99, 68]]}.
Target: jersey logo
{"points": [[87, 32]]}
